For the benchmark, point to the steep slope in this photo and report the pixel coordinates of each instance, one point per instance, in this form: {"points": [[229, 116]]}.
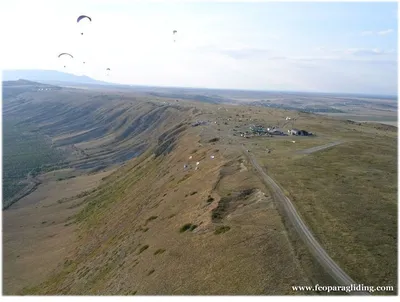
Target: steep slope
{"points": [[100, 130], [154, 227]]}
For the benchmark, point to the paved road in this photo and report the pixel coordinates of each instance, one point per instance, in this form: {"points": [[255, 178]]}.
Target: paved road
{"points": [[319, 148], [318, 251]]}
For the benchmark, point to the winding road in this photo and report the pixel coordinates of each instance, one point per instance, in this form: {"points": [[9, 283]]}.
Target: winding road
{"points": [[317, 250]]}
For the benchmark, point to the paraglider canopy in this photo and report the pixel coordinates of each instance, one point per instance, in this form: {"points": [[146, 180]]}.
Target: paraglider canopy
{"points": [[65, 54], [82, 17]]}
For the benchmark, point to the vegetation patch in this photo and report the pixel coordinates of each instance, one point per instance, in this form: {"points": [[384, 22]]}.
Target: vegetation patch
{"points": [[222, 229], [187, 227], [151, 271], [225, 204], [245, 193], [151, 218], [143, 248], [218, 213], [183, 178], [159, 251], [210, 199]]}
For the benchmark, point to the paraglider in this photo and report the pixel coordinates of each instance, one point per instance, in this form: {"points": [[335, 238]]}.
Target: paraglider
{"points": [[173, 33], [65, 54], [108, 71], [82, 17]]}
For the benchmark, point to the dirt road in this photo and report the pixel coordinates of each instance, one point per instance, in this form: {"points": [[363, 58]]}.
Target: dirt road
{"points": [[317, 250], [319, 148]]}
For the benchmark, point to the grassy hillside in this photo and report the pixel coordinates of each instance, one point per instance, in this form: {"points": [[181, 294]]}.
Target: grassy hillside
{"points": [[160, 224], [154, 228]]}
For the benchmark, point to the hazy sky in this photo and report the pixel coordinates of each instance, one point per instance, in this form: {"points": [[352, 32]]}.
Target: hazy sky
{"points": [[332, 47]]}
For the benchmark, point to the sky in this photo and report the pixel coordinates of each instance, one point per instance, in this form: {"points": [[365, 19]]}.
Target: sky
{"points": [[293, 46]]}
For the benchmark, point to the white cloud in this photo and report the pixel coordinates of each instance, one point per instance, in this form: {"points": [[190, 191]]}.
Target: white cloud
{"points": [[385, 32], [379, 33], [360, 52], [364, 52], [367, 33], [237, 53]]}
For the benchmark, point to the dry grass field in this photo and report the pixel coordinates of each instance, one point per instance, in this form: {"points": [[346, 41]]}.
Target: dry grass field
{"points": [[149, 226], [37, 230]]}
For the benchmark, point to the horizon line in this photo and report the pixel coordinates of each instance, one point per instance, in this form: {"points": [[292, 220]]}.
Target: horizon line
{"points": [[206, 88]]}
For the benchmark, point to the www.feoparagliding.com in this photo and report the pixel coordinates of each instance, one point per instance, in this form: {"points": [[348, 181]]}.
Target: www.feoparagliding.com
{"points": [[344, 288]]}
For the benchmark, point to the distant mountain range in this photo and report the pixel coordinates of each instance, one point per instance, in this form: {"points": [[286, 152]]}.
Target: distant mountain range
{"points": [[24, 83], [50, 77], [212, 95]]}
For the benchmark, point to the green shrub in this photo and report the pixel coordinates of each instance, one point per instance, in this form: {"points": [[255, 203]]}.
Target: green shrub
{"points": [[151, 218], [222, 229], [143, 248], [187, 227], [159, 251], [210, 199]]}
